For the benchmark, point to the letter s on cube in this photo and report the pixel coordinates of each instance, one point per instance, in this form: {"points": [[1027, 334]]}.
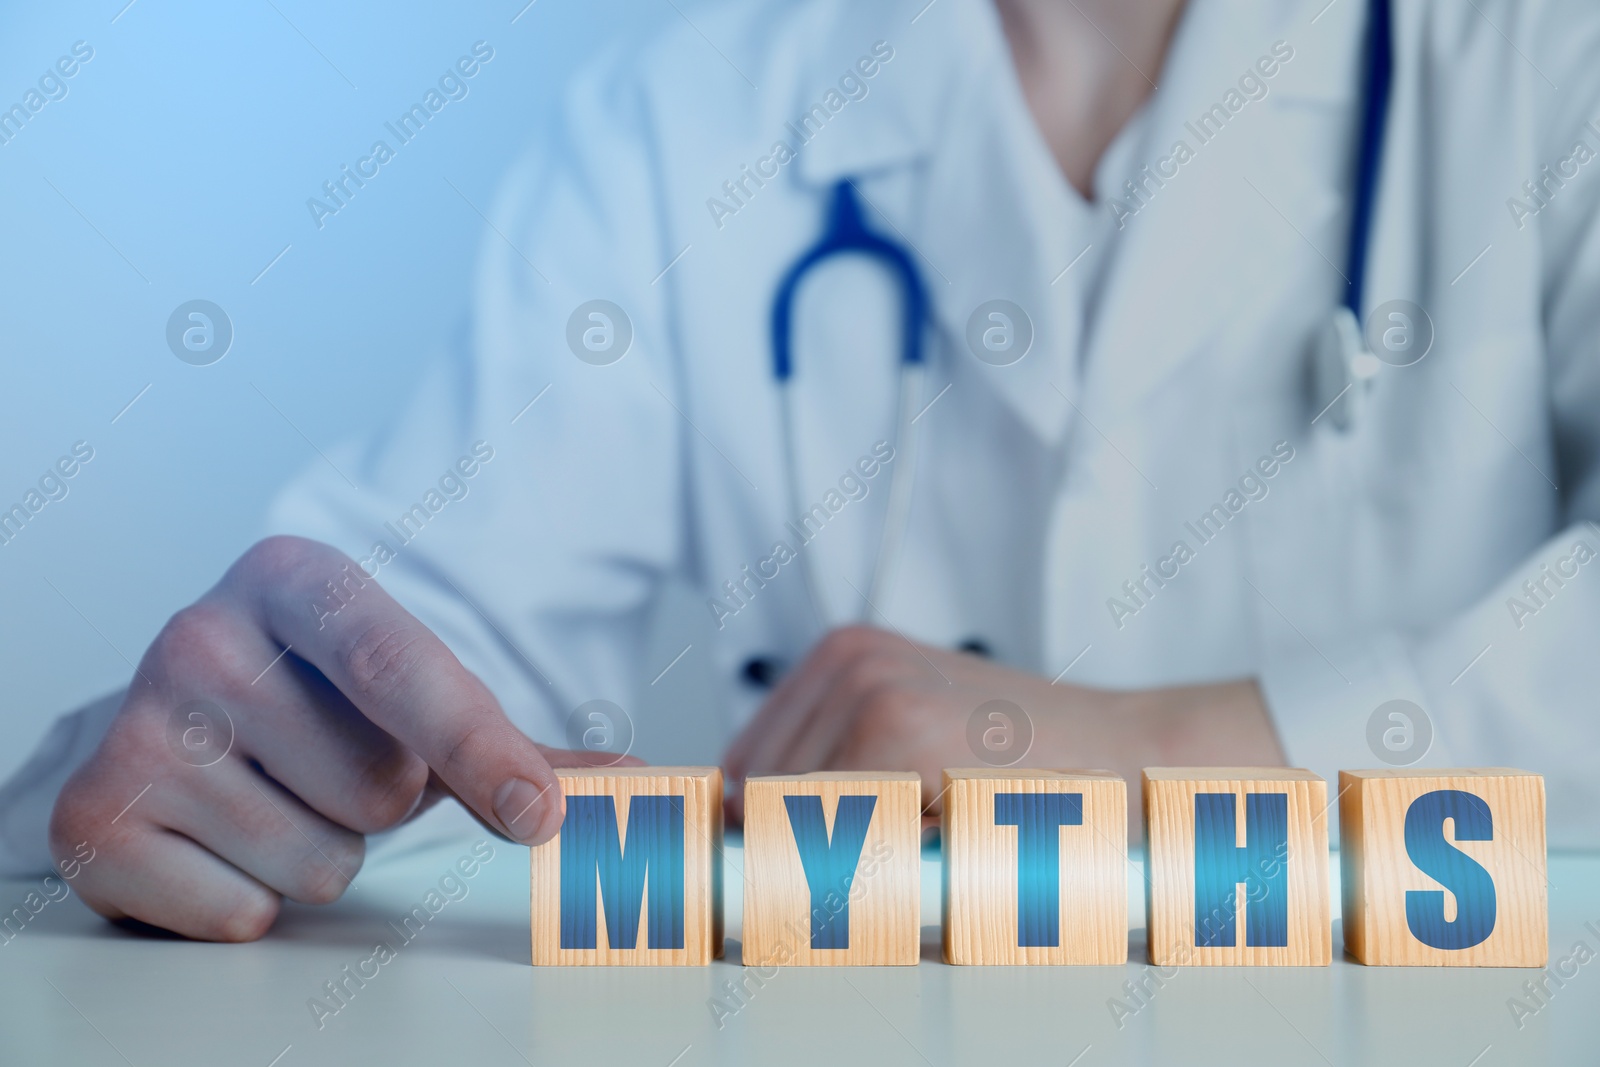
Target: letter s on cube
{"points": [[1444, 868], [635, 875]]}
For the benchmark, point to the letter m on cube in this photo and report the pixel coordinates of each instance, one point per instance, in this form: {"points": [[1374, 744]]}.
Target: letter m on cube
{"points": [[592, 850], [635, 874]]}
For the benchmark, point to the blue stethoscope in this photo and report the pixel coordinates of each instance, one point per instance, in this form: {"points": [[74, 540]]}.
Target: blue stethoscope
{"points": [[1344, 367], [846, 233]]}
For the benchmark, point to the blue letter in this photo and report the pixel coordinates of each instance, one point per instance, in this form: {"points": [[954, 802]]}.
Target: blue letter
{"points": [[1220, 865], [1038, 818], [830, 866], [591, 847], [1450, 867]]}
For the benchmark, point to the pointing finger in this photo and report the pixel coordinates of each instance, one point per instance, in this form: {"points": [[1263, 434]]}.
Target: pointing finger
{"points": [[402, 677]]}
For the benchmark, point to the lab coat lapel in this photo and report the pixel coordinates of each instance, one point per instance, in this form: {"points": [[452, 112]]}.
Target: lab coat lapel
{"points": [[949, 118], [1210, 242], [992, 225]]}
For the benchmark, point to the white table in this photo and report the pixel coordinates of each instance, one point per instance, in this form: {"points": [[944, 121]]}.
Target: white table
{"points": [[75, 990]]}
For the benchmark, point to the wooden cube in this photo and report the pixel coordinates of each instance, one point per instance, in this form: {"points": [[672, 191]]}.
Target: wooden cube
{"points": [[635, 875], [1035, 867], [833, 869], [1237, 866], [1444, 868]]}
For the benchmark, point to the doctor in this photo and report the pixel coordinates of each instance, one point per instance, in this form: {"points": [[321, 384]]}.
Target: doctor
{"points": [[1126, 474]]}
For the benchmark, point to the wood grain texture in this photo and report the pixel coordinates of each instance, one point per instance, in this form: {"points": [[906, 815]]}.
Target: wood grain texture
{"points": [[701, 790], [980, 901], [1378, 870], [883, 890], [1170, 822]]}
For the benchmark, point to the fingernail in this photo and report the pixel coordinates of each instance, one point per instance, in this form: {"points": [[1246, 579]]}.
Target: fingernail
{"points": [[517, 807]]}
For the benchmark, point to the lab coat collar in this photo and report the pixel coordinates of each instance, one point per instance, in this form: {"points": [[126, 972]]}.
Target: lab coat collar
{"points": [[943, 50], [898, 121], [985, 224], [949, 104]]}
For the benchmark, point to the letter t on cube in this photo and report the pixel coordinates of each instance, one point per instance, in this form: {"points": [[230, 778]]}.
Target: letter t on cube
{"points": [[1035, 867]]}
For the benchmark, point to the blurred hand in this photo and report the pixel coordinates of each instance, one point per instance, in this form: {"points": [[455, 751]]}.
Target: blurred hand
{"points": [[868, 699], [203, 820]]}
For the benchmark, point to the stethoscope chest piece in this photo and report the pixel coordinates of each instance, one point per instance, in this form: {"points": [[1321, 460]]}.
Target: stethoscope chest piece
{"points": [[1343, 367], [1344, 370]]}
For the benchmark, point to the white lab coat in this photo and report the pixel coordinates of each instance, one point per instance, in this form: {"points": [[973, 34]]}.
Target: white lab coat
{"points": [[1380, 561]]}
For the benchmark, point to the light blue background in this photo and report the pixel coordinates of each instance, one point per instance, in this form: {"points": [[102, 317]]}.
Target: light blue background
{"points": [[191, 142]]}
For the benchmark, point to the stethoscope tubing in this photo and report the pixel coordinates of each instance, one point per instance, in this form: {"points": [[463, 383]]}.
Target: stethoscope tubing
{"points": [[846, 233], [897, 512], [1378, 74]]}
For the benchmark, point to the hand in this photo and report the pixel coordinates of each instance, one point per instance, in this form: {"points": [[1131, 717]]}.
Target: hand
{"points": [[868, 699], [366, 721]]}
